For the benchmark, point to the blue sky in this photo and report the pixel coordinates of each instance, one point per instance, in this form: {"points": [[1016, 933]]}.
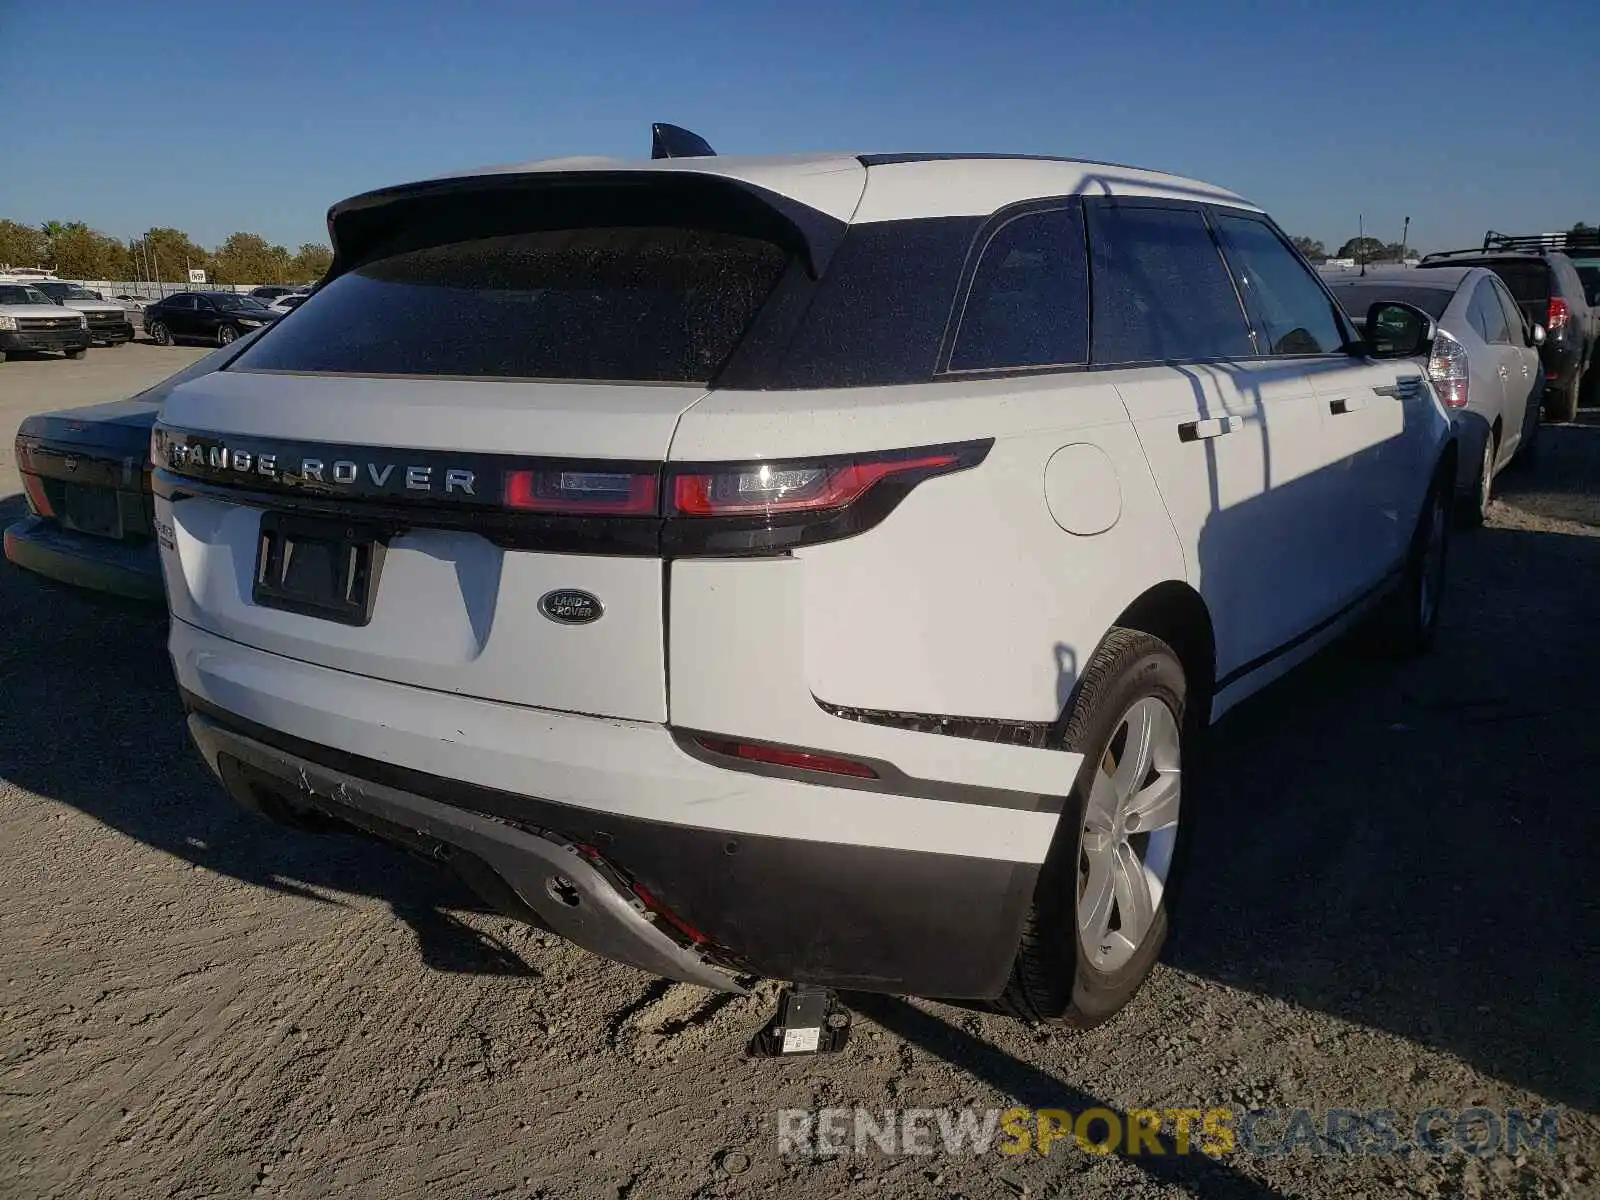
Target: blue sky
{"points": [[227, 115]]}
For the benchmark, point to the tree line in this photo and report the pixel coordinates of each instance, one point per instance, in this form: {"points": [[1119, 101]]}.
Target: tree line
{"points": [[74, 251], [1375, 250]]}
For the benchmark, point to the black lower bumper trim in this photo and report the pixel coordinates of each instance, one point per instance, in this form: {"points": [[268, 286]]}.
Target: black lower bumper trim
{"points": [[45, 340], [570, 895], [859, 917]]}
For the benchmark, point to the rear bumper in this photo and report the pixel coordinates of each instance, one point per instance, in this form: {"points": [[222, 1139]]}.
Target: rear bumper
{"points": [[12, 342], [123, 568], [787, 880]]}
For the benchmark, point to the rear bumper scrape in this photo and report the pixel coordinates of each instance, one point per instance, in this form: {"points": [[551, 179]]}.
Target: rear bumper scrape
{"points": [[569, 894]]}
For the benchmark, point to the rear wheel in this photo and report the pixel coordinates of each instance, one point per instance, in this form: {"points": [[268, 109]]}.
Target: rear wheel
{"points": [[1475, 509], [1562, 402], [1527, 454], [159, 334], [78, 353], [227, 335], [1099, 914], [1405, 625]]}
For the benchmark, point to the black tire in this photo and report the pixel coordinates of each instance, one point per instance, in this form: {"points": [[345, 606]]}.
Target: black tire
{"points": [[1527, 455], [227, 335], [1052, 978], [159, 333], [78, 353], [1472, 509], [1405, 624], [1561, 403]]}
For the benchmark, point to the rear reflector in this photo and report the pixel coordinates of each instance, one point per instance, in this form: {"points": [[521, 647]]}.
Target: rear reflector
{"points": [[581, 493], [762, 488], [799, 760]]}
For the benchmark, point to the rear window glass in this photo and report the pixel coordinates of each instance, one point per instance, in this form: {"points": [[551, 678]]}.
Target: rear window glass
{"points": [[1529, 279], [641, 304], [1358, 297]]}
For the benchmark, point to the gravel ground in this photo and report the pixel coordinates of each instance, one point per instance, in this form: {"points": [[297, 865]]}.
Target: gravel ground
{"points": [[1391, 907]]}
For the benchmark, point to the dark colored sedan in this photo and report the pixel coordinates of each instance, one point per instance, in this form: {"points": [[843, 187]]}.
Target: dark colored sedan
{"points": [[219, 318], [86, 477]]}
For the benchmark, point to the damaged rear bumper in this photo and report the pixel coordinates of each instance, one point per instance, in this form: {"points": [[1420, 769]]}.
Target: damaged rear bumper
{"points": [[552, 877]]}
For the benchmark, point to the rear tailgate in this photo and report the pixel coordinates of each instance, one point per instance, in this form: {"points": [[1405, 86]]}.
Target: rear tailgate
{"points": [[444, 468], [90, 466], [452, 608]]}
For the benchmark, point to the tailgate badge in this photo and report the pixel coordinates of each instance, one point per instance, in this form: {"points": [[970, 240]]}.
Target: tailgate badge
{"points": [[570, 606], [70, 462]]}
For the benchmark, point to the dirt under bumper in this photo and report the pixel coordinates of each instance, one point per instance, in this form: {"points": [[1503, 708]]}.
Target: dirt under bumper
{"points": [[868, 918]]}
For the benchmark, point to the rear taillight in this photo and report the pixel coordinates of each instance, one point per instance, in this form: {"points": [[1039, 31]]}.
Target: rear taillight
{"points": [[582, 493], [770, 488], [33, 487], [1447, 368], [1557, 317], [777, 756]]}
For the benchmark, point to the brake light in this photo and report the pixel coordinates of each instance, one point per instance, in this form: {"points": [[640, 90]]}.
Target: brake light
{"points": [[1447, 368], [775, 756], [760, 489], [1559, 312], [582, 493]]}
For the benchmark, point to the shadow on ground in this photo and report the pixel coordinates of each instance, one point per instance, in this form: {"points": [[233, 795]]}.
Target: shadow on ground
{"points": [[89, 716], [1413, 847]]}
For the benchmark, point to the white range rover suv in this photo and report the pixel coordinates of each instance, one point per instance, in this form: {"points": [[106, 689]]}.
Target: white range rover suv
{"points": [[811, 568]]}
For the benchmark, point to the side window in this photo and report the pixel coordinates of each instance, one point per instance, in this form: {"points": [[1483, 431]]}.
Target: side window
{"points": [[1028, 305], [203, 302], [183, 301], [1161, 291], [1292, 312], [1515, 321], [1485, 315]]}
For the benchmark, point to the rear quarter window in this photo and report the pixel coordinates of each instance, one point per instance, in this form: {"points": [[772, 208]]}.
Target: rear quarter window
{"points": [[647, 304], [1028, 304]]}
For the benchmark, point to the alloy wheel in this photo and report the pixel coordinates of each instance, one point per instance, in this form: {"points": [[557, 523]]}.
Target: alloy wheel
{"points": [[1486, 475], [226, 335], [1130, 830]]}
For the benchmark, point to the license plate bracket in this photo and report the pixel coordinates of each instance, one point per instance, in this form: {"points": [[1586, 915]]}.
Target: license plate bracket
{"points": [[318, 567], [91, 510]]}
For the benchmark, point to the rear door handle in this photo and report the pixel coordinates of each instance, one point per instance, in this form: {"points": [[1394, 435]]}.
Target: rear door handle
{"points": [[1502, 370], [1212, 427], [1346, 404]]}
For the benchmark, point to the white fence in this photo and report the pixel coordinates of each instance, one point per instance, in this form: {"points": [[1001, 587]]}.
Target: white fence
{"points": [[145, 290]]}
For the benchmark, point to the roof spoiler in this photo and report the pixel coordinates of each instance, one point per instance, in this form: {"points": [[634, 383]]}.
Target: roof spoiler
{"points": [[674, 141]]}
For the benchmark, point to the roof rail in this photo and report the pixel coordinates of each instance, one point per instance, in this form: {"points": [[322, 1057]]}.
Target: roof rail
{"points": [[1444, 255], [1541, 241]]}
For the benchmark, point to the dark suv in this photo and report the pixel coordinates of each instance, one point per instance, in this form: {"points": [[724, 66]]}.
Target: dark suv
{"points": [[1548, 289]]}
